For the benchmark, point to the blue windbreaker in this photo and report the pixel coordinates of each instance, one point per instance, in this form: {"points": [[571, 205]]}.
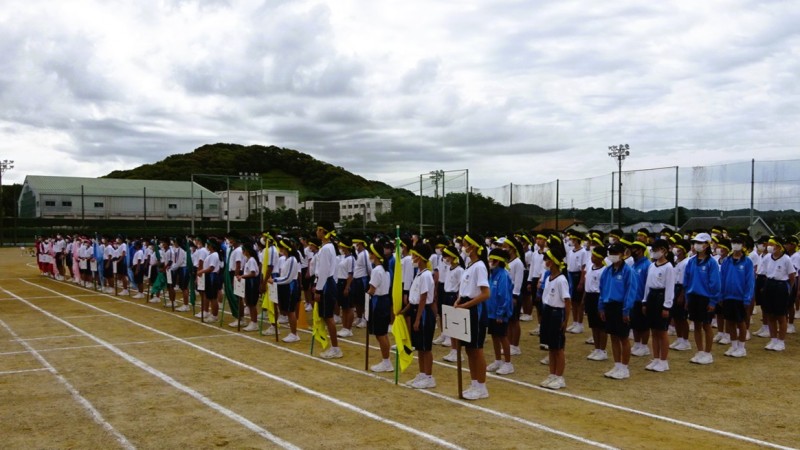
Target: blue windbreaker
{"points": [[702, 278], [737, 279], [500, 304], [618, 286]]}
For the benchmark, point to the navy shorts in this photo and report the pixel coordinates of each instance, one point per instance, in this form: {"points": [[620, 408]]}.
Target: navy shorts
{"points": [[212, 284], [698, 309], [449, 299], [515, 313], [655, 307], [478, 321], [734, 310], [344, 300], [422, 340], [679, 311], [288, 296], [638, 320], [358, 287], [380, 312], [251, 286], [761, 282], [327, 302], [551, 332], [776, 297], [498, 329], [574, 279], [590, 300], [615, 325]]}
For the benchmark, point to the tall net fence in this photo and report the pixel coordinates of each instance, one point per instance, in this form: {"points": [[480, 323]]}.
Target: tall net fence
{"points": [[766, 185]]}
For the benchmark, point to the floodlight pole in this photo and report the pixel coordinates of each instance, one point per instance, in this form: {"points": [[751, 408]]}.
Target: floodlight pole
{"points": [[619, 152], [4, 165]]}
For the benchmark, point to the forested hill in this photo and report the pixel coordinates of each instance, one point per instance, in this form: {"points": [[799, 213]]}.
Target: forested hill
{"points": [[279, 168]]}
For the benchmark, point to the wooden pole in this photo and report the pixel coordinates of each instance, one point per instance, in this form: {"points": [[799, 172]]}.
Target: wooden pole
{"points": [[458, 369]]}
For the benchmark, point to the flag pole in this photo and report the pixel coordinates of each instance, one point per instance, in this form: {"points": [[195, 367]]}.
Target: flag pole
{"points": [[458, 369], [276, 312], [366, 347], [397, 246]]}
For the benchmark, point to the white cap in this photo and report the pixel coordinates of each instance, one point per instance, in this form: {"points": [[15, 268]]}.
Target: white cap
{"points": [[702, 237]]}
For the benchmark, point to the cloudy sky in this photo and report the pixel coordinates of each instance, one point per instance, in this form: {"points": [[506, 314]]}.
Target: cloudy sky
{"points": [[514, 91]]}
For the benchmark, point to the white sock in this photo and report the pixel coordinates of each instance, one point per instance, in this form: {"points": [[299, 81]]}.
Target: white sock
{"points": [[474, 383], [617, 365], [498, 361]]}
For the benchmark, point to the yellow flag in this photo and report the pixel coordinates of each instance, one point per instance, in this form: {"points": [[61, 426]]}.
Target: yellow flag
{"points": [[399, 329], [320, 329]]}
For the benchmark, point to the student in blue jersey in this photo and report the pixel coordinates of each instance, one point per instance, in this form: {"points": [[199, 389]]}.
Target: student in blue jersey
{"points": [[499, 308], [639, 325], [452, 282], [780, 277], [659, 295], [701, 282], [737, 279], [380, 305], [591, 297], [422, 315], [473, 292], [618, 286], [556, 305]]}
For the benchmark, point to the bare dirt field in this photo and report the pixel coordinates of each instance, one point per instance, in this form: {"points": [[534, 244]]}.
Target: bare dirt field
{"points": [[82, 369]]}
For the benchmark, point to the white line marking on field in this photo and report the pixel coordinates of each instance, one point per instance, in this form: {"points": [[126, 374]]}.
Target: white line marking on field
{"points": [[83, 317], [94, 413], [12, 372], [166, 378], [120, 344], [304, 355], [309, 391], [44, 338], [509, 380]]}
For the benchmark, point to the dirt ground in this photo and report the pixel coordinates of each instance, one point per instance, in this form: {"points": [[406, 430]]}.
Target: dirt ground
{"points": [[164, 380]]}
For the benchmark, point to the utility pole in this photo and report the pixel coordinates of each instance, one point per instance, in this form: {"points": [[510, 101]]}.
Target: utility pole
{"points": [[619, 152]]}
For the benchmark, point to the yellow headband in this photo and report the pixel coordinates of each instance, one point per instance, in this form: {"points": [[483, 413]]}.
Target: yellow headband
{"points": [[541, 236], [286, 246], [355, 241], [449, 253], [525, 238], [375, 253], [474, 244], [498, 258], [555, 260], [724, 246], [643, 234], [601, 257], [328, 234], [640, 244], [774, 242], [416, 253]]}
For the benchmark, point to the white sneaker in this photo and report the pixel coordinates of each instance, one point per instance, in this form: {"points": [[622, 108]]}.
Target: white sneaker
{"points": [[344, 332], [252, 326], [183, 308], [289, 338], [424, 383], [494, 366], [671, 331], [333, 352], [383, 366], [446, 342], [729, 351], [506, 369], [674, 344], [269, 331], [154, 300], [236, 323], [589, 341], [200, 315], [338, 320], [543, 347], [548, 380], [577, 329], [557, 383], [640, 350], [610, 373], [740, 352], [210, 319], [662, 366], [592, 355], [476, 393], [621, 374], [707, 358], [361, 323], [652, 364], [528, 317], [138, 296], [451, 357], [790, 329], [515, 350], [545, 361], [714, 322], [779, 346], [717, 337], [600, 355], [124, 293], [439, 339], [283, 320], [763, 331], [770, 345], [415, 379], [683, 346], [696, 358], [570, 328], [535, 331], [748, 336], [309, 308], [726, 339]]}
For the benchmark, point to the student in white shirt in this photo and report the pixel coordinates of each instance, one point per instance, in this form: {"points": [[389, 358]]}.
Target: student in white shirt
{"points": [[780, 276], [556, 305], [138, 269], [380, 305], [422, 316], [210, 272], [325, 288], [288, 286], [659, 294], [452, 283], [250, 274]]}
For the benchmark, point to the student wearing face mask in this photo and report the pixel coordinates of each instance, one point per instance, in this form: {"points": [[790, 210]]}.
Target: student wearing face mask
{"points": [[761, 282], [473, 292], [659, 294], [680, 312], [556, 305], [794, 256], [639, 325], [618, 285], [499, 307], [738, 283], [702, 283], [721, 250], [535, 275], [780, 276]]}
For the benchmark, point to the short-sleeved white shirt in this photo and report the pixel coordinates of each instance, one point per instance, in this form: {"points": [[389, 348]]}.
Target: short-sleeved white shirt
{"points": [[251, 266], [555, 291], [779, 269], [379, 279], [212, 260], [453, 279], [474, 278], [422, 283], [593, 279]]}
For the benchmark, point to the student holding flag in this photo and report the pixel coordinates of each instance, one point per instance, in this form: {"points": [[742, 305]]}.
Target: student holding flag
{"points": [[399, 327], [422, 316], [473, 292], [325, 288], [288, 286], [380, 305]]}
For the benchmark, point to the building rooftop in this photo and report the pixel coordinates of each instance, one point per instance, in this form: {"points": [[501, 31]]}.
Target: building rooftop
{"points": [[115, 187]]}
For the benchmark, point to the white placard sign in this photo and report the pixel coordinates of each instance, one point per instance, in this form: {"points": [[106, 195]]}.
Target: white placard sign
{"points": [[366, 306], [93, 266], [169, 276], [456, 323], [238, 287], [114, 267], [82, 264], [273, 292], [201, 282]]}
